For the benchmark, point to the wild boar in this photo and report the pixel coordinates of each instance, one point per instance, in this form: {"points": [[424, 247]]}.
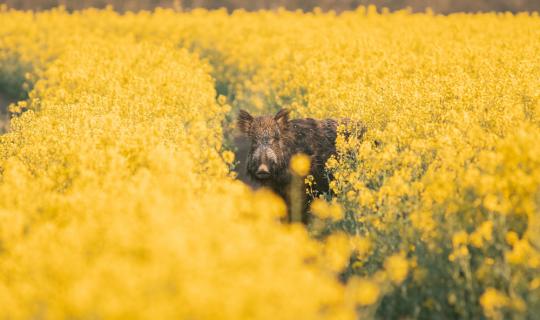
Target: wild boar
{"points": [[275, 139]]}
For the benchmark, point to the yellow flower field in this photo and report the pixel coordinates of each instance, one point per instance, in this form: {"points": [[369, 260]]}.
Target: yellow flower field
{"points": [[118, 197]]}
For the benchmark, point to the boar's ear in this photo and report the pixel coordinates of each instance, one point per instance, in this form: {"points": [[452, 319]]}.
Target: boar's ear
{"points": [[244, 121], [282, 117]]}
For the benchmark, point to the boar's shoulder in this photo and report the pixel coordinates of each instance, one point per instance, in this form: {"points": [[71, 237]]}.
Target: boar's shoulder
{"points": [[312, 136]]}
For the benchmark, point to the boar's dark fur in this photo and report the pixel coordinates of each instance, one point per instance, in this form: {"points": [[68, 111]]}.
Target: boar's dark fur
{"points": [[275, 139]]}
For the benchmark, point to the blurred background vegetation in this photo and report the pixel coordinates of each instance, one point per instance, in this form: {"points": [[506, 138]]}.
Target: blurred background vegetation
{"points": [[439, 6]]}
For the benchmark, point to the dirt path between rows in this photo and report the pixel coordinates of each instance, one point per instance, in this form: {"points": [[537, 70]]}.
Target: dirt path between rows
{"points": [[5, 101]]}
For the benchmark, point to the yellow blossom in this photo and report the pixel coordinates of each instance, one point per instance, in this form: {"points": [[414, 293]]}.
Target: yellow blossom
{"points": [[367, 291], [300, 164], [228, 156], [336, 211], [535, 284], [337, 251], [459, 239], [397, 268], [511, 237], [492, 300], [362, 245], [320, 208], [481, 234]]}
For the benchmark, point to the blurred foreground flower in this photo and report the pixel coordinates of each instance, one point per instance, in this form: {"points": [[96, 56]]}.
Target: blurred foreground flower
{"points": [[300, 164]]}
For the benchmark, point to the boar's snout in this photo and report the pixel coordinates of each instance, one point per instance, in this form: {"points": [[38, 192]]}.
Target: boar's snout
{"points": [[263, 162], [263, 172]]}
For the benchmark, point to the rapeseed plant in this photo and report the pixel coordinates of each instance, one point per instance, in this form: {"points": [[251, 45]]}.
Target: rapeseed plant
{"points": [[117, 190]]}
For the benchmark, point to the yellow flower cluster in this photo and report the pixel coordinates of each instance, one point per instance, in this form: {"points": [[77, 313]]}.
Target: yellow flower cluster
{"points": [[117, 195], [300, 164], [449, 163], [494, 303]]}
